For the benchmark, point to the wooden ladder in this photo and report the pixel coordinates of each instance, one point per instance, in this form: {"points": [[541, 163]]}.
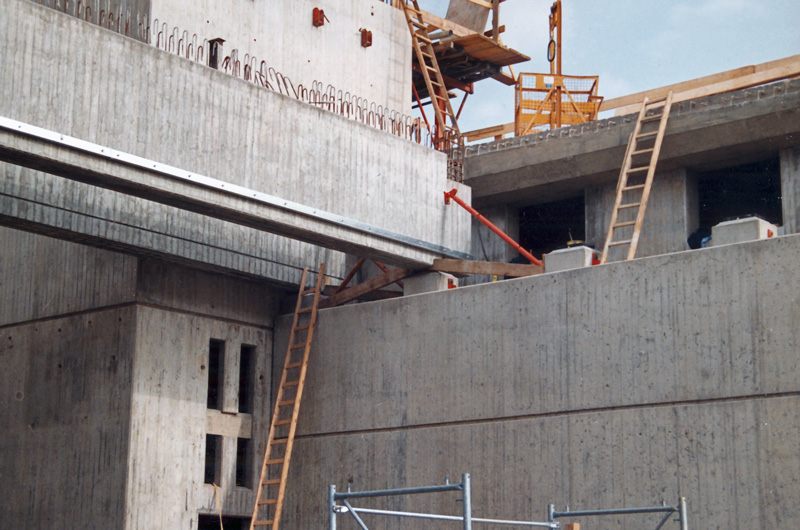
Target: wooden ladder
{"points": [[636, 176], [429, 68], [275, 469]]}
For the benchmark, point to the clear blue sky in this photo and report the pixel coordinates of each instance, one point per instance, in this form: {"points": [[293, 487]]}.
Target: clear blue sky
{"points": [[635, 45]]}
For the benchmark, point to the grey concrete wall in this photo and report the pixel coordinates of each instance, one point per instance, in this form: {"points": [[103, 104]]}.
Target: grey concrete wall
{"points": [[127, 17], [132, 97], [281, 33], [65, 400], [617, 385], [103, 392], [671, 215], [42, 277], [168, 419], [790, 189]]}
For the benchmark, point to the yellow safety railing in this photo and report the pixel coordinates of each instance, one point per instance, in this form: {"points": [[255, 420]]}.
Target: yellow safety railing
{"points": [[550, 101]]}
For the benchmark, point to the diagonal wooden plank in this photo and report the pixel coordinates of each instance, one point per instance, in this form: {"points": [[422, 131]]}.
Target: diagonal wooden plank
{"points": [[363, 288]]}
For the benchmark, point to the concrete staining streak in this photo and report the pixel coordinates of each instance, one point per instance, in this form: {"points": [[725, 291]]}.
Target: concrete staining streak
{"points": [[774, 90]]}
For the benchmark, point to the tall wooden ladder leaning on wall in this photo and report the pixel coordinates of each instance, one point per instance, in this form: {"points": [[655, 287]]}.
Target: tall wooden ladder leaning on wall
{"points": [[275, 469], [429, 68], [636, 177]]}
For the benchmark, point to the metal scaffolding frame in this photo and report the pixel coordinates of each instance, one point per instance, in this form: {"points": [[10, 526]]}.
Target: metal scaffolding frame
{"points": [[680, 509], [466, 518]]}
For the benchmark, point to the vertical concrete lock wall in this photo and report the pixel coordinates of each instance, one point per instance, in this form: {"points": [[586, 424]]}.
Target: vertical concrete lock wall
{"points": [[67, 348], [610, 386], [105, 385], [181, 312]]}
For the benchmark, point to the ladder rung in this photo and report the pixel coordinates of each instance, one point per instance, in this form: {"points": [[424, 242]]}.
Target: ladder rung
{"points": [[627, 223], [652, 118], [306, 309], [277, 460], [632, 188], [643, 168], [642, 151], [290, 383], [285, 403], [629, 205], [309, 291], [297, 346], [617, 243], [279, 441], [282, 422], [268, 501], [294, 365], [271, 482], [647, 135], [423, 38], [262, 523]]}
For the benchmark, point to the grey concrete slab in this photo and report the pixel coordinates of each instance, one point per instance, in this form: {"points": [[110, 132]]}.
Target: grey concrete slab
{"points": [[89, 163], [726, 129]]}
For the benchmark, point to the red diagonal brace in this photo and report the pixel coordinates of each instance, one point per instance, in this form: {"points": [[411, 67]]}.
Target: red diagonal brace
{"points": [[452, 195]]}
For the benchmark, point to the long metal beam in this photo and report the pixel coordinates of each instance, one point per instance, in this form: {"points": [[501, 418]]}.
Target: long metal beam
{"points": [[40, 149]]}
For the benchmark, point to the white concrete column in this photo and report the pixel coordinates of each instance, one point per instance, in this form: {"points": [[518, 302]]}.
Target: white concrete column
{"points": [[790, 189]]}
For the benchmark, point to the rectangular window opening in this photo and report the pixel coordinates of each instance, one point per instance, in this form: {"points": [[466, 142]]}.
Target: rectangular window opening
{"points": [[551, 226], [247, 357], [211, 522], [216, 363], [243, 462], [213, 454]]}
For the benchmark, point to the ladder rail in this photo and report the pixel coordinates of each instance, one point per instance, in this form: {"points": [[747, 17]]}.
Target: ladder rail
{"points": [[662, 126], [632, 151], [622, 182], [420, 38], [281, 403]]}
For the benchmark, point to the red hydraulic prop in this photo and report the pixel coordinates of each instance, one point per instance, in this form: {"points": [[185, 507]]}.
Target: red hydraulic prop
{"points": [[452, 195]]}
